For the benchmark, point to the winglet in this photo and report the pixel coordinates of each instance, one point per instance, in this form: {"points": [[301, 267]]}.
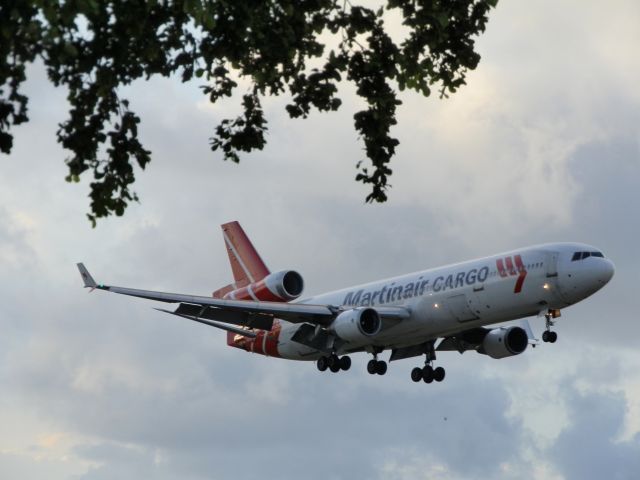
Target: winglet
{"points": [[88, 280]]}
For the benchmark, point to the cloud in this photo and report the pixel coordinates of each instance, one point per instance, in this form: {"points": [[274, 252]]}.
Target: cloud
{"points": [[589, 447], [541, 145]]}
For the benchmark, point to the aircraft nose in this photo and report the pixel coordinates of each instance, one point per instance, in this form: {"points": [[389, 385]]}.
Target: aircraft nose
{"points": [[606, 270]]}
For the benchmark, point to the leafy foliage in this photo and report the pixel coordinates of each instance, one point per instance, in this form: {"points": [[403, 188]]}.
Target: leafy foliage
{"points": [[95, 47]]}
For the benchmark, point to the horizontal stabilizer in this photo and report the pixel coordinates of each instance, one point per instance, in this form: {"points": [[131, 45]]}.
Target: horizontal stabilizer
{"points": [[211, 323]]}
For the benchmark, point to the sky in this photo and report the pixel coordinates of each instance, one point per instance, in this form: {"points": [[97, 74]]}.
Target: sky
{"points": [[542, 144]]}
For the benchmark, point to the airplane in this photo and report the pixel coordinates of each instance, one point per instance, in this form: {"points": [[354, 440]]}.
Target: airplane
{"points": [[451, 308]]}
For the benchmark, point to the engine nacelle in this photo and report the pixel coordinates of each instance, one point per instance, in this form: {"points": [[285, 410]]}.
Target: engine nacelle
{"points": [[357, 325], [504, 342], [281, 286]]}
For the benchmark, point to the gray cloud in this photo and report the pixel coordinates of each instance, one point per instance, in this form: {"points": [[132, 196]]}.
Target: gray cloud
{"points": [[589, 447], [536, 148]]}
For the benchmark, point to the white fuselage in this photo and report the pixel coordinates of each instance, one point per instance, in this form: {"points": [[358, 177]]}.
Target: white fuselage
{"points": [[447, 300]]}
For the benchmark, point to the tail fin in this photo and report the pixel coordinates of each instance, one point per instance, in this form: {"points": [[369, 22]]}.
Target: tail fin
{"points": [[246, 264], [247, 268]]}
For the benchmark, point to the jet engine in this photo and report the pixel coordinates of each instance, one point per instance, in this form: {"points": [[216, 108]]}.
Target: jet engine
{"points": [[504, 342], [357, 325], [281, 286]]}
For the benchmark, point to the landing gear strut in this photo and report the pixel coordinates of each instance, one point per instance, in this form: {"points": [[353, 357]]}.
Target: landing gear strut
{"points": [[375, 366], [548, 335], [427, 373], [334, 363]]}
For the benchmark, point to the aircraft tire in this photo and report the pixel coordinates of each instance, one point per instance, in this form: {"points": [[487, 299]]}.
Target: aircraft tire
{"points": [[381, 367], [545, 336], [335, 368], [427, 374], [345, 363], [371, 367], [553, 336], [438, 374], [332, 360], [416, 374], [322, 364]]}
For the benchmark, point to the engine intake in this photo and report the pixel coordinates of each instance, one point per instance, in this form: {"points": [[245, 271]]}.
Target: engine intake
{"points": [[357, 325], [281, 286], [504, 342]]}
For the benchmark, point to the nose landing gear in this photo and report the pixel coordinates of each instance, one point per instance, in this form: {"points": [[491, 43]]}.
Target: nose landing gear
{"points": [[549, 336]]}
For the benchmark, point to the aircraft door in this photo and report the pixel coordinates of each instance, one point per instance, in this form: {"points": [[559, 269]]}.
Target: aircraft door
{"points": [[460, 308], [551, 264]]}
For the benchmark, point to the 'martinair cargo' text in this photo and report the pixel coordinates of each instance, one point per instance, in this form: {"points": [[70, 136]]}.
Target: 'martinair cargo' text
{"points": [[393, 293]]}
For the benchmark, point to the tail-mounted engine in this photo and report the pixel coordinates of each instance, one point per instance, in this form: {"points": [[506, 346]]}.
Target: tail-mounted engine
{"points": [[276, 287], [356, 325], [504, 342]]}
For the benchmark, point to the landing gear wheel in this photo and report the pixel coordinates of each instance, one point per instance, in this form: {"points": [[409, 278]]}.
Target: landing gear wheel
{"points": [[416, 374], [427, 374], [322, 364], [381, 367], [332, 360], [335, 368], [345, 363], [372, 366], [549, 336], [438, 374]]}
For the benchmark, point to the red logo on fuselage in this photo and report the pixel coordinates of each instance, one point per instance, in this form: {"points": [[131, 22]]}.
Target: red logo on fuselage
{"points": [[511, 267]]}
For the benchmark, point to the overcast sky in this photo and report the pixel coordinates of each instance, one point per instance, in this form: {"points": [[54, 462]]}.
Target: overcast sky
{"points": [[543, 144]]}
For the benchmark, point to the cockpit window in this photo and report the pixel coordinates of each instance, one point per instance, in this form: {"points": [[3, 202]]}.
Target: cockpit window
{"points": [[582, 255]]}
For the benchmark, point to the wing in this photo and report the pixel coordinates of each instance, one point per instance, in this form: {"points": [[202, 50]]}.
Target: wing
{"points": [[246, 313]]}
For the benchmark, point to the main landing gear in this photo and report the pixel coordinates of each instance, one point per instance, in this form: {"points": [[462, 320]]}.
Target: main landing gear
{"points": [[334, 363], [548, 336], [427, 373], [375, 366]]}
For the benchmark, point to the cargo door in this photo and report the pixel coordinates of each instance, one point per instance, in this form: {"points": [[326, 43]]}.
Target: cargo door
{"points": [[551, 264], [459, 306]]}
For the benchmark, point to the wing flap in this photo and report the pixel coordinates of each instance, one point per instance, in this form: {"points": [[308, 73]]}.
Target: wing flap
{"points": [[251, 320], [463, 341], [408, 352]]}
